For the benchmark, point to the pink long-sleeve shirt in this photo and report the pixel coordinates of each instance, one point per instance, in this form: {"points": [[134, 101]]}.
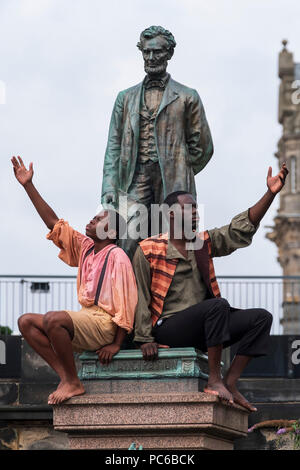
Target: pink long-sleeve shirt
{"points": [[118, 295]]}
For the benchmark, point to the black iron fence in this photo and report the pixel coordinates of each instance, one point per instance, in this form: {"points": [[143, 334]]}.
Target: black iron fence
{"points": [[39, 294]]}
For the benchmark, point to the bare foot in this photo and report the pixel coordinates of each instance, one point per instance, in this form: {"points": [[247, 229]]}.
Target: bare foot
{"points": [[59, 386], [65, 391], [219, 389], [239, 398]]}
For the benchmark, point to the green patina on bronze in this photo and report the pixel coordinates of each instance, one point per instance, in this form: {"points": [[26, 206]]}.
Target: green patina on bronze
{"points": [[129, 364], [180, 131]]}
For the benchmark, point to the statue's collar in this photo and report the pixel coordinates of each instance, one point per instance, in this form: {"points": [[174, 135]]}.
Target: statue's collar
{"points": [[161, 82]]}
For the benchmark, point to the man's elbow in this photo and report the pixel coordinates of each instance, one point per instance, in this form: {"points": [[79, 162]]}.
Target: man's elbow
{"points": [[51, 223]]}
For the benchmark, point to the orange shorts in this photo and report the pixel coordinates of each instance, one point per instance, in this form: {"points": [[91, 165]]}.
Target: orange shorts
{"points": [[93, 328]]}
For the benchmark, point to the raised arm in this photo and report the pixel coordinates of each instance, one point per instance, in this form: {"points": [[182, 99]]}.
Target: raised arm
{"points": [[24, 177], [274, 184]]}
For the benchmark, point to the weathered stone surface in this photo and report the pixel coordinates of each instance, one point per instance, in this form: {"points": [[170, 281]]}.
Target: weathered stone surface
{"points": [[9, 392], [10, 356], [174, 420], [166, 442], [268, 390], [58, 443], [26, 414], [34, 437], [36, 393], [171, 385], [42, 438], [267, 411], [35, 369], [129, 364], [8, 438]]}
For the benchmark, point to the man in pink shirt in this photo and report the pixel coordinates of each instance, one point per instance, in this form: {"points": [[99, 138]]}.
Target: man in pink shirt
{"points": [[106, 289]]}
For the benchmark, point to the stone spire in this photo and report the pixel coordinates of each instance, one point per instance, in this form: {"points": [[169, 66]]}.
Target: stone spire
{"points": [[286, 229]]}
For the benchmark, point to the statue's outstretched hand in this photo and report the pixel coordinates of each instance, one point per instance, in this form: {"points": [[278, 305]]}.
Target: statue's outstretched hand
{"points": [[23, 175], [276, 183]]}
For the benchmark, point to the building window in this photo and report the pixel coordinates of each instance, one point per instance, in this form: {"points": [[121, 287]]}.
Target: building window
{"points": [[293, 175]]}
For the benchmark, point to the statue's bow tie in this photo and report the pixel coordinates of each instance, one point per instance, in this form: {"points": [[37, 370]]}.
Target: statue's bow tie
{"points": [[155, 84]]}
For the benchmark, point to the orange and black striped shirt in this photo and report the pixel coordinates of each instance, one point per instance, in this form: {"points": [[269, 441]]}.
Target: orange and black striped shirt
{"points": [[168, 282]]}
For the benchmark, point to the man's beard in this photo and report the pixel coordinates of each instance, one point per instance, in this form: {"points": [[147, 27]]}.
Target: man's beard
{"points": [[156, 69]]}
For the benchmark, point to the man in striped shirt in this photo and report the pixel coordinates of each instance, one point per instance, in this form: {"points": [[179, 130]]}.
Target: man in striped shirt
{"points": [[179, 302]]}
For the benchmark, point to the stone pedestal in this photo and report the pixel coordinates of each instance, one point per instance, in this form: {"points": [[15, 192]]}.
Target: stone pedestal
{"points": [[155, 421], [129, 364], [176, 370], [157, 405]]}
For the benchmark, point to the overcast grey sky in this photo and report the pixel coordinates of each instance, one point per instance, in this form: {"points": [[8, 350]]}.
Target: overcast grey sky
{"points": [[63, 63]]}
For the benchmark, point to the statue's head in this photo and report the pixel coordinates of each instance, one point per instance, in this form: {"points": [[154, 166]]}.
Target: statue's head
{"points": [[157, 46]]}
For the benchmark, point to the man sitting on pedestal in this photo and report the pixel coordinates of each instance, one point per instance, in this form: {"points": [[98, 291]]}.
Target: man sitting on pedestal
{"points": [[179, 302], [106, 288]]}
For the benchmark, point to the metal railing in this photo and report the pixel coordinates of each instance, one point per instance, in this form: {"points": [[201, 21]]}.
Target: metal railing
{"points": [[39, 294], [34, 294], [279, 295]]}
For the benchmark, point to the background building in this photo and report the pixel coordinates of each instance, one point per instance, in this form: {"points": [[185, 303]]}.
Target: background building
{"points": [[286, 231]]}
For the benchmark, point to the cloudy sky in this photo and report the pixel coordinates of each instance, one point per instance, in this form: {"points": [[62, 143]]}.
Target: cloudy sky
{"points": [[63, 63]]}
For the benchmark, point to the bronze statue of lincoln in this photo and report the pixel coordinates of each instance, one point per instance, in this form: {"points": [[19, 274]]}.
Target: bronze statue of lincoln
{"points": [[158, 138]]}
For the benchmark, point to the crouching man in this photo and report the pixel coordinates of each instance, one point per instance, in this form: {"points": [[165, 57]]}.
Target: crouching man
{"points": [[106, 290], [179, 302]]}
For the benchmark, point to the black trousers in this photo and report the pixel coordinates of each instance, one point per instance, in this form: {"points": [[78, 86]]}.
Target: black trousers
{"points": [[214, 322]]}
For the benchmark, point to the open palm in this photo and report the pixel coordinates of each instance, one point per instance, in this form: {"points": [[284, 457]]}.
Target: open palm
{"points": [[275, 183], [21, 173]]}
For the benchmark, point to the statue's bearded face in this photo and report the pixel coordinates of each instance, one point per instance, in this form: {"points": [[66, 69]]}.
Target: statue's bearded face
{"points": [[156, 55]]}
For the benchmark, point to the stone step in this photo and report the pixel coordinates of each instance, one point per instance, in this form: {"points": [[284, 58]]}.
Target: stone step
{"points": [[269, 411], [155, 421], [270, 390]]}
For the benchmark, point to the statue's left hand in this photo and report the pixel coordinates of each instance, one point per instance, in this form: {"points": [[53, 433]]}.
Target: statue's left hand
{"points": [[276, 183]]}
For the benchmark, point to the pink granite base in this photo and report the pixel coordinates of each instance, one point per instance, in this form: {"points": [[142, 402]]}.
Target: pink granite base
{"points": [[163, 441], [156, 421]]}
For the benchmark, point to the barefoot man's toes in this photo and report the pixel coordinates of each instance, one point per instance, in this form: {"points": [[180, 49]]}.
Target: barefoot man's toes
{"points": [[220, 390], [240, 399], [66, 391], [50, 398]]}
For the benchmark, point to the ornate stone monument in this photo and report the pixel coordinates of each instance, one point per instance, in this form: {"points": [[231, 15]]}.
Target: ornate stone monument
{"points": [[158, 141]]}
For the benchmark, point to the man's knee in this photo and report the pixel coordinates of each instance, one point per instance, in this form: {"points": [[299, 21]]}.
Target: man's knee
{"points": [[266, 316], [52, 320], [217, 308], [220, 304], [25, 322]]}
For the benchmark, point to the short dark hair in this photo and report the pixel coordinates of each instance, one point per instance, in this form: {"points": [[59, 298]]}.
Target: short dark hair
{"points": [[172, 198], [119, 223], [154, 31]]}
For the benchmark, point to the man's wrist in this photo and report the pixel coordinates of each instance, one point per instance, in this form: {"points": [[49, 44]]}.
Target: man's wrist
{"points": [[140, 343], [28, 185], [271, 194]]}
